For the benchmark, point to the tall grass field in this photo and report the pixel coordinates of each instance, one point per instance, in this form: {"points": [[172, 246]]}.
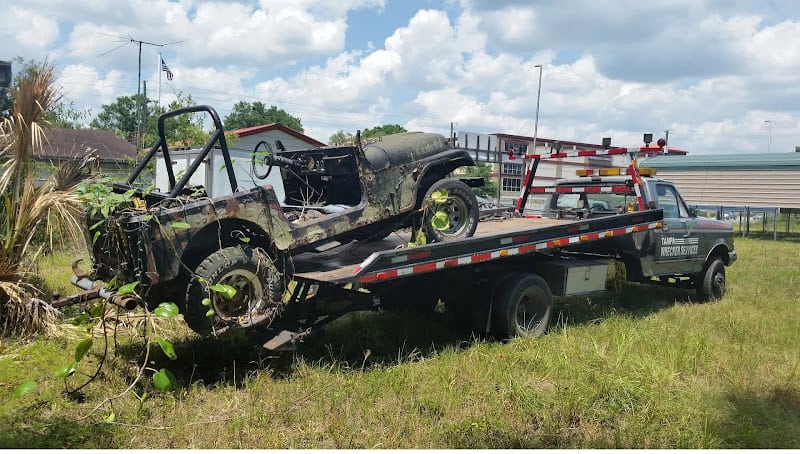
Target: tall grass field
{"points": [[644, 368]]}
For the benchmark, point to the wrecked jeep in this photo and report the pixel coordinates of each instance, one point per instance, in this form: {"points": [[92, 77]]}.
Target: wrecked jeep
{"points": [[228, 258]]}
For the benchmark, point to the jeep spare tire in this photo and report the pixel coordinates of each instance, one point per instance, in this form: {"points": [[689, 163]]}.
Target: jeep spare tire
{"points": [[450, 211]]}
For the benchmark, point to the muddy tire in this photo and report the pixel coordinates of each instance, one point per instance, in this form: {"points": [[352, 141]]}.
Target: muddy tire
{"points": [[522, 307], [711, 282], [461, 209], [257, 281]]}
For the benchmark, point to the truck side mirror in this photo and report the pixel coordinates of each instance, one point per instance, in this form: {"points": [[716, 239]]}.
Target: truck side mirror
{"points": [[692, 211]]}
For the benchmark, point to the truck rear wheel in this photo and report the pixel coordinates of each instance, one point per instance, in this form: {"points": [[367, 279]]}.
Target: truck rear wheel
{"points": [[522, 306], [711, 281], [255, 278], [460, 209]]}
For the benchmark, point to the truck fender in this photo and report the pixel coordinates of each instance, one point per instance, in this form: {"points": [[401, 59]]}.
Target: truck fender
{"points": [[720, 250]]}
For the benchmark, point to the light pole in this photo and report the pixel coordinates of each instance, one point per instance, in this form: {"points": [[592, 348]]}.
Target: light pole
{"points": [[769, 131], [529, 165], [538, 97]]}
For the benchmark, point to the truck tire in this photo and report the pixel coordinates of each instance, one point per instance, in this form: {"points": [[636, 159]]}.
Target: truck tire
{"points": [[461, 209], [257, 282], [522, 306], [711, 281]]}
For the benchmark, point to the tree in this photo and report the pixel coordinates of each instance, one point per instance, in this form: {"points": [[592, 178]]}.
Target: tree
{"points": [[489, 190], [121, 116], [245, 115], [59, 114], [66, 116], [340, 137], [181, 131], [384, 130]]}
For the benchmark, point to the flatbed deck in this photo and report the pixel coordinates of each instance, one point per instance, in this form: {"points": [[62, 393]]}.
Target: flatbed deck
{"points": [[369, 262]]}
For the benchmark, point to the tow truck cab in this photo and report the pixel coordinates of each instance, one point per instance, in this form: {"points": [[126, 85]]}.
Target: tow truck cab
{"points": [[686, 245]]}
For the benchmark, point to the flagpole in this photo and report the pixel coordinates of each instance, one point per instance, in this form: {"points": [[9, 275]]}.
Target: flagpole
{"points": [[160, 59]]}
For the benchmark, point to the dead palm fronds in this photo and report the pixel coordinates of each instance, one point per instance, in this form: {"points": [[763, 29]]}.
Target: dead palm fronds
{"points": [[26, 205]]}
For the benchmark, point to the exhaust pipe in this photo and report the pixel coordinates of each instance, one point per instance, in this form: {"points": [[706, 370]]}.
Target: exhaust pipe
{"points": [[81, 280]]}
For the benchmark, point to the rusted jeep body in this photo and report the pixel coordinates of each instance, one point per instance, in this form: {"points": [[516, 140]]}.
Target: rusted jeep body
{"points": [[168, 242]]}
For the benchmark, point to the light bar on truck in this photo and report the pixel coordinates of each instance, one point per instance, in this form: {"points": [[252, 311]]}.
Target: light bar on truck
{"points": [[643, 171]]}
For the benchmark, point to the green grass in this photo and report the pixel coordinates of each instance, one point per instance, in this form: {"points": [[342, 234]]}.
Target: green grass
{"points": [[643, 368]]}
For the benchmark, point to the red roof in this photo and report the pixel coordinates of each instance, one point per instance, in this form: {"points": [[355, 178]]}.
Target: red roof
{"points": [[278, 127]]}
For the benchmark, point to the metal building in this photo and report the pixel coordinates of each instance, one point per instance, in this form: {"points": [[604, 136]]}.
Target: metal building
{"points": [[739, 187]]}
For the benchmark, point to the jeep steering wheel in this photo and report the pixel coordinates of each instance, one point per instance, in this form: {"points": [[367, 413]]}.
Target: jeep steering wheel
{"points": [[266, 160]]}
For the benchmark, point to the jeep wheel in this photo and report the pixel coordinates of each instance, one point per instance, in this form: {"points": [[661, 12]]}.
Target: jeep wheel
{"points": [[459, 208], [252, 274]]}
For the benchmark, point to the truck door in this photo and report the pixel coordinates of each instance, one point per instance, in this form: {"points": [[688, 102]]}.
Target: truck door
{"points": [[678, 242]]}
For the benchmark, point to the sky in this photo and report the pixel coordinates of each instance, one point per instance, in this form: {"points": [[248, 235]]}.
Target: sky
{"points": [[720, 75]]}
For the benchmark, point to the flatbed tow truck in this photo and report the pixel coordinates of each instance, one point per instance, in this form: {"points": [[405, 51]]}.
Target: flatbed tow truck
{"points": [[503, 274], [504, 278]]}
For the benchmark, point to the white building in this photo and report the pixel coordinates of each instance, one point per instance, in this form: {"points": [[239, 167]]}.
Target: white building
{"points": [[212, 174]]}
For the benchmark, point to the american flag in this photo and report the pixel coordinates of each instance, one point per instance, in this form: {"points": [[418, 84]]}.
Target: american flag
{"points": [[165, 68]]}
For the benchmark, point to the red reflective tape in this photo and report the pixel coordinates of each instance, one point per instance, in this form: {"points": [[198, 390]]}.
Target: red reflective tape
{"points": [[641, 203], [419, 255], [590, 237], [538, 190], [424, 267], [587, 153], [528, 248], [528, 177], [450, 263], [481, 257], [379, 276], [617, 232], [593, 189], [519, 238]]}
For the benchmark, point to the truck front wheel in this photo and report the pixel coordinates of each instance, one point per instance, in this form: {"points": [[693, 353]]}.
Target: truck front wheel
{"points": [[522, 306], [250, 283], [450, 211], [711, 281]]}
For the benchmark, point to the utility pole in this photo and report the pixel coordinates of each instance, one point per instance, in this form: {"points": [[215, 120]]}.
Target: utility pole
{"points": [[139, 43]]}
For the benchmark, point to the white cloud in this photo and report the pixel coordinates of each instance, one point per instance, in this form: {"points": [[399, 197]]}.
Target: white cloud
{"points": [[28, 31], [711, 71]]}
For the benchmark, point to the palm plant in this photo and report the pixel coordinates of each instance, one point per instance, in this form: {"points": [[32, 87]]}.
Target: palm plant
{"points": [[27, 205]]}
